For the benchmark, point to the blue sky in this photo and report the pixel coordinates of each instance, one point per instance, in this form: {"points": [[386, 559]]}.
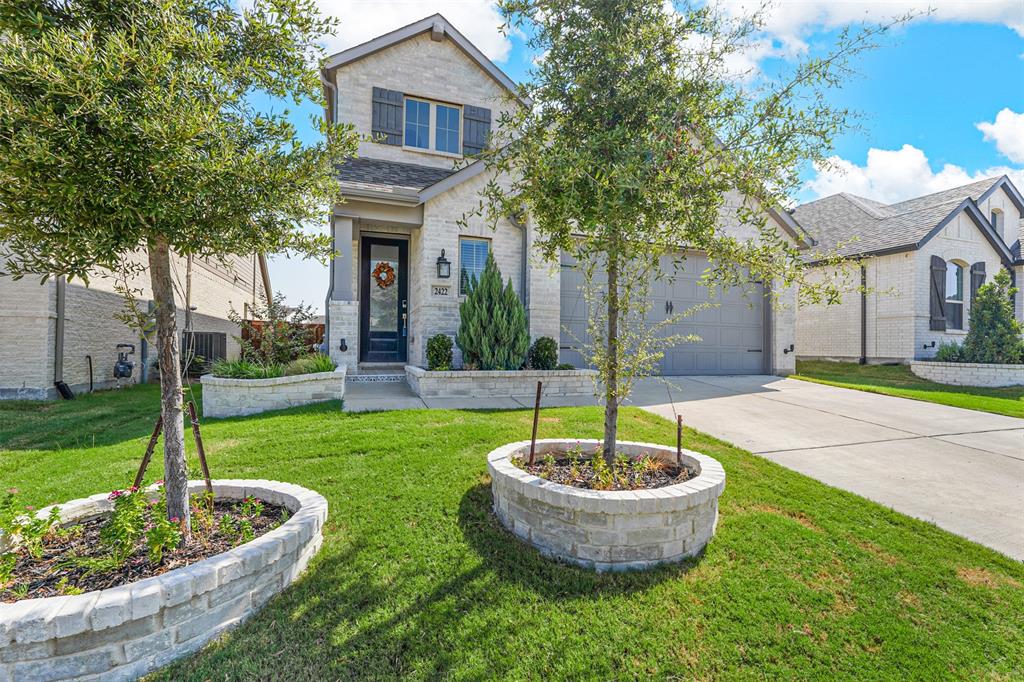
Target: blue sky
{"points": [[942, 99]]}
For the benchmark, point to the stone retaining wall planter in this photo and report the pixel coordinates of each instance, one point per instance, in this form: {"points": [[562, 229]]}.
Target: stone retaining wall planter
{"points": [[491, 384], [607, 530], [223, 397], [125, 632], [969, 373]]}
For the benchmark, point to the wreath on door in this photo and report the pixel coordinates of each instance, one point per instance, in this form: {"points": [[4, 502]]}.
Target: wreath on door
{"points": [[384, 275]]}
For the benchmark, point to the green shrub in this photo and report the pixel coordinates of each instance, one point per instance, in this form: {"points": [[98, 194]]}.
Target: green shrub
{"points": [[492, 331], [310, 364], [244, 369], [276, 334], [994, 334], [566, 365], [543, 354], [950, 352], [439, 353]]}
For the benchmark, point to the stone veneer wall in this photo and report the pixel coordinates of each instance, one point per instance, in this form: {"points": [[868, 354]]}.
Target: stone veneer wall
{"points": [[491, 384], [122, 633], [607, 530], [223, 397], [970, 373]]}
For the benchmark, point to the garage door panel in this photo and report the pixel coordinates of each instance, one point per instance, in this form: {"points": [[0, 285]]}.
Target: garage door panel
{"points": [[728, 331]]}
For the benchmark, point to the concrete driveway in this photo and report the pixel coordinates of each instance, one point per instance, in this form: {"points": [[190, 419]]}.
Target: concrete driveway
{"points": [[961, 469]]}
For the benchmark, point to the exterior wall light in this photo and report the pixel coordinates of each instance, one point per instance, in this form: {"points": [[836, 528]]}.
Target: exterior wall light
{"points": [[444, 267]]}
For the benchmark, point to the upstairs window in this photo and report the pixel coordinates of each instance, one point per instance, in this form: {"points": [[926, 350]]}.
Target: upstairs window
{"points": [[997, 222], [954, 295], [472, 259], [417, 124], [446, 138]]}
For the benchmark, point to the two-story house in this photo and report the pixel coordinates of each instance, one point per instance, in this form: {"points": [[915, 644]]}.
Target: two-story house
{"points": [[426, 98], [920, 263]]}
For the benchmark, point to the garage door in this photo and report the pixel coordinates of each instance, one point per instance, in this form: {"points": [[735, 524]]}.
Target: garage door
{"points": [[731, 332]]}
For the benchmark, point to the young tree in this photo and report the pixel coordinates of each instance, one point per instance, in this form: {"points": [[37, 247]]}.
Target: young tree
{"points": [[636, 136], [126, 126]]}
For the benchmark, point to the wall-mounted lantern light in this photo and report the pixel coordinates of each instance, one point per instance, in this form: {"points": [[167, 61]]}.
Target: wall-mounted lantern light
{"points": [[787, 351], [444, 267]]}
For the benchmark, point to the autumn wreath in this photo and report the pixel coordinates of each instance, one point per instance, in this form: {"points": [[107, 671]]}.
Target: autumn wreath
{"points": [[384, 274]]}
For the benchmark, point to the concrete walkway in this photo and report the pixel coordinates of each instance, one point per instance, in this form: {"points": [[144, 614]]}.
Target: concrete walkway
{"points": [[960, 469]]}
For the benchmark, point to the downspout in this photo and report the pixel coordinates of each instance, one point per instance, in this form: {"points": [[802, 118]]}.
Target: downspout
{"points": [[58, 342], [265, 274], [524, 263], [329, 113], [863, 315]]}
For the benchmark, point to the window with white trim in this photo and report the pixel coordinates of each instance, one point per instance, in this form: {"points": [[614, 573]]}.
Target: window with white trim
{"points": [[472, 259], [433, 127], [954, 295]]}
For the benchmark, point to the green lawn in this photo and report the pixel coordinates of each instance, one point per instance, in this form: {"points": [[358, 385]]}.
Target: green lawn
{"points": [[899, 381], [416, 580]]}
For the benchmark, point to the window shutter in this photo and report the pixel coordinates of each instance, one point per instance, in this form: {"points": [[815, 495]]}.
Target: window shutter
{"points": [[938, 295], [977, 278], [476, 129], [386, 126]]}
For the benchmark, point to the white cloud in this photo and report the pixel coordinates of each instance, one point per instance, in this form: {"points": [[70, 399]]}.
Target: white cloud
{"points": [[791, 21], [1007, 131], [363, 20], [896, 175]]}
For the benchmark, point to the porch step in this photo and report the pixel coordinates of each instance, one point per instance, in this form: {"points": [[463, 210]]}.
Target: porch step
{"points": [[376, 378]]}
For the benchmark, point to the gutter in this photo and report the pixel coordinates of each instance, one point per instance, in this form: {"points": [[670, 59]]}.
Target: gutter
{"points": [[863, 360], [58, 342]]}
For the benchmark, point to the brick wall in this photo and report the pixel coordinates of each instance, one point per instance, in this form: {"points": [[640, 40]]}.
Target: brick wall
{"points": [[28, 321]]}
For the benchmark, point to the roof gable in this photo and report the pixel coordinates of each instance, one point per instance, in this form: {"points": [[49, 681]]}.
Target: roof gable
{"points": [[439, 29]]}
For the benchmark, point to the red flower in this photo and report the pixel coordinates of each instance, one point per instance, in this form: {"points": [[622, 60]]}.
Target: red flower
{"points": [[115, 494]]}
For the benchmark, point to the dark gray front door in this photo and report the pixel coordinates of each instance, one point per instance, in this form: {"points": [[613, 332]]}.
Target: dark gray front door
{"points": [[731, 332], [384, 300]]}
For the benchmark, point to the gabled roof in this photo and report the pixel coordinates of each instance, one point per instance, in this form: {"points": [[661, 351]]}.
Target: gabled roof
{"points": [[389, 177], [849, 225], [439, 28]]}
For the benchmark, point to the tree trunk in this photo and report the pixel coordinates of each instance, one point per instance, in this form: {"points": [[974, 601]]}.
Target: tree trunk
{"points": [[611, 400], [175, 471]]}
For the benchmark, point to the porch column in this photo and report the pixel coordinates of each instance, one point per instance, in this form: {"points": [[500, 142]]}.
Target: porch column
{"points": [[343, 311]]}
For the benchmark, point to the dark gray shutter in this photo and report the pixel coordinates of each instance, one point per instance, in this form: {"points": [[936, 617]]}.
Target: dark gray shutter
{"points": [[977, 278], [938, 295], [476, 129], [388, 115]]}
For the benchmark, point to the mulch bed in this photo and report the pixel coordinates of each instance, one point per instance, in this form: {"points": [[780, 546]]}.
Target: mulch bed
{"points": [[50, 575], [582, 474]]}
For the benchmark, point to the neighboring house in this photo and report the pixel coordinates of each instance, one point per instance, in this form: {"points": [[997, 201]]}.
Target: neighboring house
{"points": [[429, 97], [68, 332], [921, 262]]}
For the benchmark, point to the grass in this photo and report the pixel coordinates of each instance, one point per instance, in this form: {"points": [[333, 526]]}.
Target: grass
{"points": [[416, 580], [899, 381]]}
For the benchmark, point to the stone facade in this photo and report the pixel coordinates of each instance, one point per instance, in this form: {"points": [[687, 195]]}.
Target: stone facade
{"points": [[28, 315], [123, 633], [484, 384], [223, 397], [613, 530], [970, 373]]}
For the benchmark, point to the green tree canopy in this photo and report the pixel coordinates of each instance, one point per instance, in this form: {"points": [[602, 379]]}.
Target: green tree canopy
{"points": [[638, 144], [127, 125]]}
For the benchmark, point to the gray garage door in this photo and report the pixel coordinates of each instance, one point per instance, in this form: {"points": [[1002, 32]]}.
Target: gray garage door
{"points": [[731, 332]]}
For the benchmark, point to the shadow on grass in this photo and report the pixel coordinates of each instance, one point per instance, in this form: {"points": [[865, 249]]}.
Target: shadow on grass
{"points": [[511, 559]]}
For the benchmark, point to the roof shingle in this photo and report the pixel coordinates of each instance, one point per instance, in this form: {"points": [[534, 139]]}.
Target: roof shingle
{"points": [[389, 176]]}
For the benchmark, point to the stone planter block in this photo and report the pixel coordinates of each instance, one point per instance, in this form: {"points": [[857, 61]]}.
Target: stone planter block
{"points": [[607, 530], [969, 373], [125, 632], [500, 384], [224, 397]]}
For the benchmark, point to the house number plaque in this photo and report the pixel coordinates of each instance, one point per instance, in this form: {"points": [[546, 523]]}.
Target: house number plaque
{"points": [[436, 290]]}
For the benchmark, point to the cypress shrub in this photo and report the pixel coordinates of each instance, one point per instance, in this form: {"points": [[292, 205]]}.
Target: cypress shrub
{"points": [[492, 331], [994, 334]]}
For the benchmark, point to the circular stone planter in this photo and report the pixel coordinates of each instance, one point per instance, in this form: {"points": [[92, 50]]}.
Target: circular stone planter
{"points": [[607, 530], [124, 632]]}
